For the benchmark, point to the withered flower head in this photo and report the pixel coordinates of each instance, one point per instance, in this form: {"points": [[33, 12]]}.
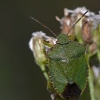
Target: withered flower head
{"points": [[66, 24], [87, 32]]}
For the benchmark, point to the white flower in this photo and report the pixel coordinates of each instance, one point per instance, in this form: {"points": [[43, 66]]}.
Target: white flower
{"points": [[36, 44], [95, 20], [91, 17], [37, 47], [78, 10], [35, 34]]}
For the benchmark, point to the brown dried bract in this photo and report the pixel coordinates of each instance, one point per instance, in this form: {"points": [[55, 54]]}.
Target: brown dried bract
{"points": [[66, 24], [87, 32]]}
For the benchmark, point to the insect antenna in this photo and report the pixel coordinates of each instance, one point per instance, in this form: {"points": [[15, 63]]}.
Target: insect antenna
{"points": [[44, 26], [77, 22]]}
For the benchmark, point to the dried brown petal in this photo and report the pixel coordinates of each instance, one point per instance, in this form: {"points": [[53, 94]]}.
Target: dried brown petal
{"points": [[66, 24], [87, 32]]}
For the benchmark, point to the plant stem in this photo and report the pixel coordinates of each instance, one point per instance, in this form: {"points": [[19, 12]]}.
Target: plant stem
{"points": [[91, 86], [44, 71]]}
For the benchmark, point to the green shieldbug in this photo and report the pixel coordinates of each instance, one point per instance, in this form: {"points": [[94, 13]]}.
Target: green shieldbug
{"points": [[67, 68]]}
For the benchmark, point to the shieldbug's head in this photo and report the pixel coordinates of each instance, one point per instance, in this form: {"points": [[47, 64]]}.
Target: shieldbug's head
{"points": [[62, 39]]}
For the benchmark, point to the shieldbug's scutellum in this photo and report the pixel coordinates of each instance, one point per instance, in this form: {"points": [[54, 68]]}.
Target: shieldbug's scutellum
{"points": [[67, 66]]}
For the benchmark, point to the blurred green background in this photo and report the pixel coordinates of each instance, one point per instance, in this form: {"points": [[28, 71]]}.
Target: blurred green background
{"points": [[20, 77]]}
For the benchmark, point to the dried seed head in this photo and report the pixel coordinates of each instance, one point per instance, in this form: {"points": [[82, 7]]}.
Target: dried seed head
{"points": [[87, 32], [66, 24]]}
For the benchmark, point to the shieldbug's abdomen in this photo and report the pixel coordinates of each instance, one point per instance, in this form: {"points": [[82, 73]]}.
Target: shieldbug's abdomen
{"points": [[71, 92]]}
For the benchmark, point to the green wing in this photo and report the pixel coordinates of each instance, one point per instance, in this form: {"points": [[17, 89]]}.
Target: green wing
{"points": [[57, 76], [81, 73]]}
